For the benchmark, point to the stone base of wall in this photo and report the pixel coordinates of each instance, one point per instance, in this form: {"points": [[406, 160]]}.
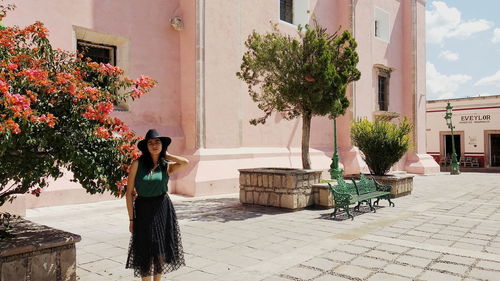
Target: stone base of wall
{"points": [[38, 252], [278, 187]]}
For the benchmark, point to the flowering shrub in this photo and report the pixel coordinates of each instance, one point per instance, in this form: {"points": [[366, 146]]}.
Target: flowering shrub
{"points": [[55, 113]]}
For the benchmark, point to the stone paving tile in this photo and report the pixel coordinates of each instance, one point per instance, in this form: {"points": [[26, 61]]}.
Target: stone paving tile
{"points": [[405, 270], [321, 263], [365, 243], [392, 248], [195, 275], [415, 261], [329, 277], [369, 262], [381, 255], [433, 275], [489, 265], [339, 256], [453, 268], [387, 277], [353, 271], [301, 273], [439, 242], [275, 278], [457, 259], [424, 253], [468, 246], [484, 274], [352, 249]]}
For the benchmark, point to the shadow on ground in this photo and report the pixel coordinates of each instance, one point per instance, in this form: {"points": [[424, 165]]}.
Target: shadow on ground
{"points": [[222, 210], [342, 216]]}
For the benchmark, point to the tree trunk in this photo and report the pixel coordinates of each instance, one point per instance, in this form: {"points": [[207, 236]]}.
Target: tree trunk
{"points": [[306, 133]]}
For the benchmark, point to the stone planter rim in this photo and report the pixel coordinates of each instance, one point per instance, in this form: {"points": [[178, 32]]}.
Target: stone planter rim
{"points": [[278, 170], [36, 237]]}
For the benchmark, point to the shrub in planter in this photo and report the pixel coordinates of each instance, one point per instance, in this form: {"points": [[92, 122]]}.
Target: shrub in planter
{"points": [[383, 143]]}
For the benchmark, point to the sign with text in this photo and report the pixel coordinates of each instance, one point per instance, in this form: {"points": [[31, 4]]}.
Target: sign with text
{"points": [[474, 118]]}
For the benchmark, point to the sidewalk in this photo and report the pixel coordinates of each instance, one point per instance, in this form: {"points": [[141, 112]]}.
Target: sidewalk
{"points": [[447, 229]]}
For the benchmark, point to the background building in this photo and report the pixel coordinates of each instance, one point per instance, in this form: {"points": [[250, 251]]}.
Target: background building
{"points": [[194, 48], [476, 133]]}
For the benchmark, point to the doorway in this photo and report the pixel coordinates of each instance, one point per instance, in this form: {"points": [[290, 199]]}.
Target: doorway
{"points": [[448, 150], [494, 150]]}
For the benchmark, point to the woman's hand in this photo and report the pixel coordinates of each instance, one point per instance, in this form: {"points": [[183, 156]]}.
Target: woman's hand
{"points": [[131, 226], [176, 162]]}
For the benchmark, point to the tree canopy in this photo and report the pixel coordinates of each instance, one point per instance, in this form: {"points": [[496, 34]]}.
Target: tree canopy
{"points": [[55, 114], [304, 75]]}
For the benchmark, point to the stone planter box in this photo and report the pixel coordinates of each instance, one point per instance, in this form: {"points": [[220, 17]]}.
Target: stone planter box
{"points": [[323, 197], [402, 184], [38, 252], [278, 187]]}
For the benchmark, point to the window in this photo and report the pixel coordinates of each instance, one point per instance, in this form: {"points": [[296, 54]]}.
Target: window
{"points": [[383, 77], [381, 24], [286, 11], [99, 53], [382, 93], [295, 12]]}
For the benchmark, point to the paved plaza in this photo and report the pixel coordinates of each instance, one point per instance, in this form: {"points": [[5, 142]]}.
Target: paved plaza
{"points": [[447, 229]]}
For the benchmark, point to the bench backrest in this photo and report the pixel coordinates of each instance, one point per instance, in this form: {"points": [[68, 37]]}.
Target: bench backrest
{"points": [[365, 185], [345, 187]]}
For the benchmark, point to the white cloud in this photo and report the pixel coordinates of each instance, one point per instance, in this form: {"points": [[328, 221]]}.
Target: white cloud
{"points": [[496, 36], [448, 55], [443, 86], [446, 22], [489, 80]]}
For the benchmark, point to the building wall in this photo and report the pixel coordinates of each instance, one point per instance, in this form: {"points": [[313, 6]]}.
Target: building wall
{"points": [[473, 119], [205, 108]]}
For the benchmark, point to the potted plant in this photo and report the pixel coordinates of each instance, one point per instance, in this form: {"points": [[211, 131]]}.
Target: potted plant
{"points": [[298, 76], [384, 143]]}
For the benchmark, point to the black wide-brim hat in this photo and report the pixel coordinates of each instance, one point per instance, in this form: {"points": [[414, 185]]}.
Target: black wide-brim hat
{"points": [[153, 134]]}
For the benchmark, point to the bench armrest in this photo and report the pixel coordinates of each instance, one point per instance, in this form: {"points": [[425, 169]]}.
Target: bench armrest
{"points": [[339, 197], [382, 187]]}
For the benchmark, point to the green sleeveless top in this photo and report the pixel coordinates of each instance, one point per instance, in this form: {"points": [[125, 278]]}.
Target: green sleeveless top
{"points": [[151, 183]]}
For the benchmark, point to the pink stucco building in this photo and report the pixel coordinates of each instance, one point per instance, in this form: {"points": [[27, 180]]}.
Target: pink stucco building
{"points": [[194, 48]]}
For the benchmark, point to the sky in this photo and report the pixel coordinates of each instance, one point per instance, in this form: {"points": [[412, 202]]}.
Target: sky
{"points": [[463, 48]]}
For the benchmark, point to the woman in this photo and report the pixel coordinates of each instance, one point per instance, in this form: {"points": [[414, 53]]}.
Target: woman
{"points": [[155, 246]]}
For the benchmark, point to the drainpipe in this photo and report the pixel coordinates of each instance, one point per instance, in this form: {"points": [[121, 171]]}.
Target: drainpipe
{"points": [[353, 28], [415, 73], [200, 74]]}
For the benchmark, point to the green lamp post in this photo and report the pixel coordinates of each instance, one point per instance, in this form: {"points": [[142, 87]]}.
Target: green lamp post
{"points": [[454, 163], [335, 170]]}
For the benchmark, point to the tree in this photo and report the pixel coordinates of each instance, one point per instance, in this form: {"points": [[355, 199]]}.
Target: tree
{"points": [[383, 143], [55, 113], [303, 76]]}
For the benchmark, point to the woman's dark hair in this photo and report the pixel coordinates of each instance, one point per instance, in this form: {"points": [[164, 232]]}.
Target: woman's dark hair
{"points": [[147, 160]]}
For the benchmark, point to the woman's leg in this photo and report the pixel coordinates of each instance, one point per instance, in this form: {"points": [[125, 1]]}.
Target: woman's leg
{"points": [[157, 277], [146, 278]]}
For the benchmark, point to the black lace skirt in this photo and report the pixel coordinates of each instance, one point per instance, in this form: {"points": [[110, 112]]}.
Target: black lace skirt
{"points": [[155, 246]]}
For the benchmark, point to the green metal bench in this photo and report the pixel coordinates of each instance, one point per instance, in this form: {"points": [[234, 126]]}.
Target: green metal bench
{"points": [[371, 186], [365, 190]]}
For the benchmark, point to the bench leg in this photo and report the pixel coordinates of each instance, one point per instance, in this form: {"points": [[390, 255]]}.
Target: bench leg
{"points": [[348, 214], [376, 202], [334, 214], [357, 207], [391, 204], [370, 204]]}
